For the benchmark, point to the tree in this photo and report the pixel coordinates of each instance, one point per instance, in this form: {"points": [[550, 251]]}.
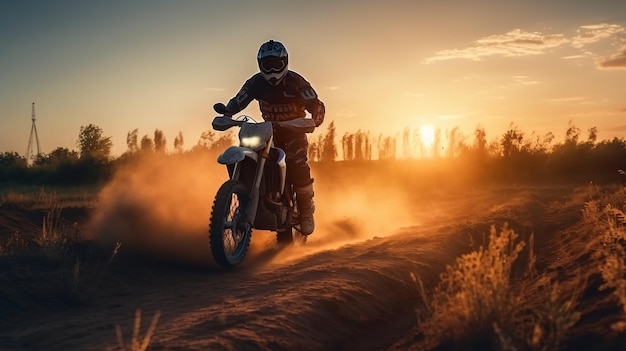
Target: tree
{"points": [[593, 135], [480, 140], [347, 146], [453, 137], [207, 138], [572, 133], [147, 145], [314, 149], [209, 141], [179, 142], [512, 141], [10, 159], [361, 146], [57, 157], [159, 141], [92, 144], [329, 148], [12, 166], [386, 148], [132, 141]]}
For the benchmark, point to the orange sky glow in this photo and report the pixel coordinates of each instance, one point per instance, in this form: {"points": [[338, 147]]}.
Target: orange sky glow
{"points": [[380, 66]]}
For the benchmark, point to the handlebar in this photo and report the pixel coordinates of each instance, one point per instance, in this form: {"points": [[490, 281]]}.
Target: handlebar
{"points": [[302, 125], [225, 121], [306, 125]]}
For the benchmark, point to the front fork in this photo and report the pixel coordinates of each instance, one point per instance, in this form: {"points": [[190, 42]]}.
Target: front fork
{"points": [[253, 202]]}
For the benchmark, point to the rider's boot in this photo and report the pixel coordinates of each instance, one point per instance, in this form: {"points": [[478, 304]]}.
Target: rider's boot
{"points": [[306, 208]]}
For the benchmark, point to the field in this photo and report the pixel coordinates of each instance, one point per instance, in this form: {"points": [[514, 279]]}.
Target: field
{"points": [[398, 262]]}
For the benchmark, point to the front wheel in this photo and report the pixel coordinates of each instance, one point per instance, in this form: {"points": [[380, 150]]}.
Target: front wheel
{"points": [[229, 234]]}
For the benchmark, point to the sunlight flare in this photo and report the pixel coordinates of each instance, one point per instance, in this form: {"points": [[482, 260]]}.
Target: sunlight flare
{"points": [[427, 134]]}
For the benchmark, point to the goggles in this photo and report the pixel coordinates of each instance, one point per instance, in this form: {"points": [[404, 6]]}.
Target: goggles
{"points": [[273, 65]]}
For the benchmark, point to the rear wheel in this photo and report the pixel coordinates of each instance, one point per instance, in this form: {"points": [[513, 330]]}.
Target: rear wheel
{"points": [[229, 234], [290, 234], [283, 237], [289, 237], [297, 237]]}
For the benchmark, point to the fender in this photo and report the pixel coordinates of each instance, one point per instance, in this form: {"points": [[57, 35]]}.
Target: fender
{"points": [[236, 154]]}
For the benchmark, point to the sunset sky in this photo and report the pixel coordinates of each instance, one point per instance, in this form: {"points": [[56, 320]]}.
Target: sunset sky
{"points": [[380, 66]]}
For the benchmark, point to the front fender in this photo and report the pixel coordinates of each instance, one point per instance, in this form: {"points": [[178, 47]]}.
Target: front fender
{"points": [[236, 154]]}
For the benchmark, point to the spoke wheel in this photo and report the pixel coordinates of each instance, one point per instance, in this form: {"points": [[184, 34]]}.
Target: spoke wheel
{"points": [[229, 235], [291, 235]]}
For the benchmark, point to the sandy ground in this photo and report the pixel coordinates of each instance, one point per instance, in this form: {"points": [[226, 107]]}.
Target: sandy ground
{"points": [[349, 288]]}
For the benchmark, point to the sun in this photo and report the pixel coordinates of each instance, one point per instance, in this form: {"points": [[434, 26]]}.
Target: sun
{"points": [[427, 134]]}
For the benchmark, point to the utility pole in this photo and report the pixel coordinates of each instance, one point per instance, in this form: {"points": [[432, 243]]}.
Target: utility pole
{"points": [[30, 153]]}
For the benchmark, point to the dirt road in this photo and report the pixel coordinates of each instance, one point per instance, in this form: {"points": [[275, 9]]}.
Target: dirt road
{"points": [[349, 288]]}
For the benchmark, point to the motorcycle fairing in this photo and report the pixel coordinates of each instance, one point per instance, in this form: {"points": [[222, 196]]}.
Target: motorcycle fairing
{"points": [[236, 154]]}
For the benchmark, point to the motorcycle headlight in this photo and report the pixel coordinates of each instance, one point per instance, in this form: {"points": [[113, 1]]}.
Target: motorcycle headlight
{"points": [[252, 142]]}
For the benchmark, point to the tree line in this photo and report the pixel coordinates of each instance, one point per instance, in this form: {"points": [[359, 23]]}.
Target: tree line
{"points": [[514, 154], [93, 161]]}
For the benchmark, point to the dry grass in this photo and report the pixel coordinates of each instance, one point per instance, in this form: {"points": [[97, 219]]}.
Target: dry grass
{"points": [[478, 305], [137, 342], [52, 245], [475, 291], [612, 254], [481, 303], [40, 197]]}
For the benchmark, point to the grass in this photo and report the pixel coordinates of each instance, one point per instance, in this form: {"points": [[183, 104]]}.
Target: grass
{"points": [[475, 291], [612, 254], [36, 238], [137, 342], [478, 305], [43, 197], [495, 298]]}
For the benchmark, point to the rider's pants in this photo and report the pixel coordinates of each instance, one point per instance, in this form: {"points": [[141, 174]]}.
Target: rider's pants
{"points": [[296, 147]]}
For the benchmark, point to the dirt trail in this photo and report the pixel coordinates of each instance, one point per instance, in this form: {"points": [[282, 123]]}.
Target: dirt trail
{"points": [[354, 294]]}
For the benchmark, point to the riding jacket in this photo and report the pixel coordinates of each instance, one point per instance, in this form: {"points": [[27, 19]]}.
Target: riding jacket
{"points": [[286, 101]]}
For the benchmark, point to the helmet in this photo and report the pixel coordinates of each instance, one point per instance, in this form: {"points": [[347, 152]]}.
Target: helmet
{"points": [[273, 60]]}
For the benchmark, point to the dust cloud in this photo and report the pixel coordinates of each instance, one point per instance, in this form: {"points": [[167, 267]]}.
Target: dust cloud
{"points": [[160, 205], [350, 209]]}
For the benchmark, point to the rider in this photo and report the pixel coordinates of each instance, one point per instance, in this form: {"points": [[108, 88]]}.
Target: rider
{"points": [[284, 95]]}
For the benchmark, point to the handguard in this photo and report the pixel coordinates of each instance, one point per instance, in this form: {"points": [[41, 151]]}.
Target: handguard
{"points": [[223, 123]]}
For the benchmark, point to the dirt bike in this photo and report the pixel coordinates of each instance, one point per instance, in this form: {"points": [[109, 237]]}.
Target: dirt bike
{"points": [[258, 194]]}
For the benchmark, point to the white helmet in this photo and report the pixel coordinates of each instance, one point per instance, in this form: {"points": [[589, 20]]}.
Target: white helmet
{"points": [[273, 60]]}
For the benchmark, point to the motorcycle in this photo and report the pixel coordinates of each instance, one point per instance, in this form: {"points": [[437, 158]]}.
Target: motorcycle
{"points": [[257, 194]]}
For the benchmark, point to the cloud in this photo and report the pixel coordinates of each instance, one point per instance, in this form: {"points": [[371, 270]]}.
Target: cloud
{"points": [[519, 42], [565, 100], [615, 61], [622, 110], [595, 32], [514, 43], [593, 114], [572, 57], [524, 80]]}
